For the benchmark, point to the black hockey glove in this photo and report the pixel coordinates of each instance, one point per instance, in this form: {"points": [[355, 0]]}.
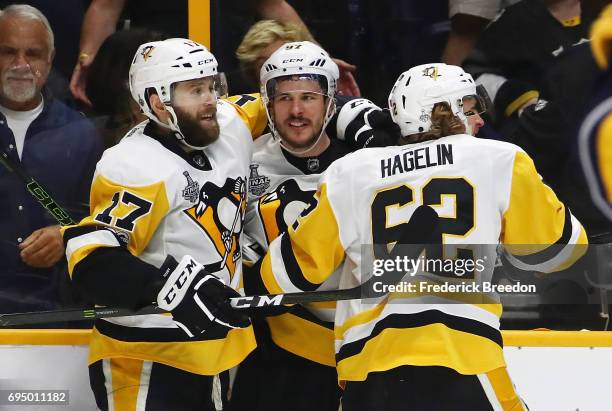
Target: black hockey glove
{"points": [[197, 299], [362, 123], [384, 131]]}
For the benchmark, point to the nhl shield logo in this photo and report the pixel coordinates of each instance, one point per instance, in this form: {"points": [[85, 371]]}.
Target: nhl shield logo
{"points": [[192, 190], [257, 184], [312, 164]]}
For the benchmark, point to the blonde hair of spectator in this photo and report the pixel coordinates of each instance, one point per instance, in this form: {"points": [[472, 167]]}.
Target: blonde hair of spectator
{"points": [[26, 12], [261, 35]]}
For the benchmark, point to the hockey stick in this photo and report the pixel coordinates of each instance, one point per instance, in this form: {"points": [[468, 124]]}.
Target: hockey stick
{"points": [[423, 222], [36, 190], [256, 301]]}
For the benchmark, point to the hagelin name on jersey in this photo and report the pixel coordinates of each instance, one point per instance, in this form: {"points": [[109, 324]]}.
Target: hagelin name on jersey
{"points": [[417, 159]]}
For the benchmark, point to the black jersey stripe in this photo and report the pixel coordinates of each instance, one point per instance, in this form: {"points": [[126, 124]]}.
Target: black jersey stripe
{"points": [[139, 334], [551, 251], [294, 272], [418, 320]]}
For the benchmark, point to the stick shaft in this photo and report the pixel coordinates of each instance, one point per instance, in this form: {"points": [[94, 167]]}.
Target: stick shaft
{"points": [[36, 190]]}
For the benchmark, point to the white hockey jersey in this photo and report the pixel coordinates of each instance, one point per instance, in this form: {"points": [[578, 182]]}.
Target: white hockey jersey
{"points": [[278, 193], [484, 191], [164, 201]]}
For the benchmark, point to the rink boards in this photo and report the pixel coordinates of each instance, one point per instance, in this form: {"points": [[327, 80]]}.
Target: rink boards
{"points": [[553, 370]]}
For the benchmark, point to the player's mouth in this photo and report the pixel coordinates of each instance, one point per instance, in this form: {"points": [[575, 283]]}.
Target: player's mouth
{"points": [[209, 118], [298, 124]]}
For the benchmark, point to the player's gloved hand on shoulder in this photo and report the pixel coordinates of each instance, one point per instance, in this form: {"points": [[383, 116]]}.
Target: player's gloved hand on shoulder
{"points": [[362, 123], [197, 299], [385, 132]]}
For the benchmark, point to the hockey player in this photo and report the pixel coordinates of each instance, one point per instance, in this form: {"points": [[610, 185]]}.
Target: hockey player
{"points": [[173, 188], [424, 351], [298, 88]]}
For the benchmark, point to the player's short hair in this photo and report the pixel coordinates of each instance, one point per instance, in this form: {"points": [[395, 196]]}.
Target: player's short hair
{"points": [[259, 36], [26, 12]]}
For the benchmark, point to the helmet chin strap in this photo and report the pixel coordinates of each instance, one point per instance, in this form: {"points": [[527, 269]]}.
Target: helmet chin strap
{"points": [[328, 115]]}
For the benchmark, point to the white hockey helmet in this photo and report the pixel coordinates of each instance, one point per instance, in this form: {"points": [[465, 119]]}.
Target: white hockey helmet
{"points": [[417, 90], [160, 64], [300, 60]]}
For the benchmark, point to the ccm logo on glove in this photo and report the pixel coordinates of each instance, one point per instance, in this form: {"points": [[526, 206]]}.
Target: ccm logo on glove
{"points": [[177, 285]]}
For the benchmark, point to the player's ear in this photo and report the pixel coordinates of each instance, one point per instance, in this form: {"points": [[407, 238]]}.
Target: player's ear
{"points": [[157, 106]]}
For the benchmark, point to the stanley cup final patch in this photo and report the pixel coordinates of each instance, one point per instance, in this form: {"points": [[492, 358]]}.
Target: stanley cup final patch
{"points": [[258, 184], [192, 189]]}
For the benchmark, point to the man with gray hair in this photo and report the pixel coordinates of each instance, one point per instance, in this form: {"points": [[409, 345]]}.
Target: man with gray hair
{"points": [[56, 145]]}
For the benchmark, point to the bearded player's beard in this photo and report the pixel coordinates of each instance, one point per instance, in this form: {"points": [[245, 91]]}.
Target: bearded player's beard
{"points": [[194, 132]]}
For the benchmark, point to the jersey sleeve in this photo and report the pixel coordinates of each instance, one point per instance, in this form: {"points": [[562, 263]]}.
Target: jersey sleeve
{"points": [[251, 110], [121, 216], [538, 230], [308, 253]]}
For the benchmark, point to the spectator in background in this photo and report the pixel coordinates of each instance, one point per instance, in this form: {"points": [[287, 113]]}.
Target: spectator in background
{"points": [[107, 83], [263, 39], [380, 37], [468, 20], [56, 145], [230, 19], [516, 49], [65, 18]]}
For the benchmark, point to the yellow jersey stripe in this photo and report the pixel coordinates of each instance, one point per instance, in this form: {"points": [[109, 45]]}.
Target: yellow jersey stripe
{"points": [[304, 338], [125, 381], [425, 346], [78, 248], [504, 389], [208, 357]]}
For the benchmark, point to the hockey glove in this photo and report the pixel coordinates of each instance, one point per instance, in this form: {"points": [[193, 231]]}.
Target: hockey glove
{"points": [[385, 132], [197, 299], [362, 123]]}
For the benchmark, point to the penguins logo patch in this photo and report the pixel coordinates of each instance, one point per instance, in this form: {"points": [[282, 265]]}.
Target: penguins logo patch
{"points": [[431, 72], [146, 52], [219, 212], [282, 207]]}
